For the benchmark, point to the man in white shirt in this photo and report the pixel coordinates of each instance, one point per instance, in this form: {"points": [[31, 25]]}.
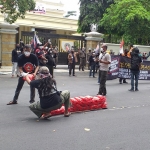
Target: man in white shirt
{"points": [[104, 60]]}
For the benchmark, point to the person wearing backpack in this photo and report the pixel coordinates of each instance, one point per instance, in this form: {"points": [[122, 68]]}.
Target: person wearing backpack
{"points": [[136, 61]]}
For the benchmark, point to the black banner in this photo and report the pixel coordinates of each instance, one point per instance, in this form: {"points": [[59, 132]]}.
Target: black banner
{"points": [[120, 68], [114, 68]]}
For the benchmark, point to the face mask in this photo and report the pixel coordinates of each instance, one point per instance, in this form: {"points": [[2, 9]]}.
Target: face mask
{"points": [[27, 53], [102, 50]]}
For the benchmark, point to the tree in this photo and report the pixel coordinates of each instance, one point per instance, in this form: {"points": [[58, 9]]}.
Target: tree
{"points": [[130, 19], [16, 8], [91, 11]]}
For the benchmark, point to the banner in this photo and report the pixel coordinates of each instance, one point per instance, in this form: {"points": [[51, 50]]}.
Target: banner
{"points": [[66, 45], [39, 8], [114, 68], [124, 67], [120, 68]]}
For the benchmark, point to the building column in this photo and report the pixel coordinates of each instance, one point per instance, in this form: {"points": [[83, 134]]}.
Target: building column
{"points": [[91, 44], [7, 42]]}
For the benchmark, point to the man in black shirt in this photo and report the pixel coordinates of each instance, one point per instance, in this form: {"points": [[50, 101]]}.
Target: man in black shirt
{"points": [[27, 63], [136, 61], [15, 54]]}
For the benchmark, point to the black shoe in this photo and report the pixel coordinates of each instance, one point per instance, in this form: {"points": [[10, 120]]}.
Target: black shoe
{"points": [[125, 82], [131, 90], [31, 101], [74, 75], [94, 77], [137, 89], [99, 94], [120, 82]]}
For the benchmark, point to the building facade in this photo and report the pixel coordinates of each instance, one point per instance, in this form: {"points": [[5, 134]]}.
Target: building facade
{"points": [[49, 21]]}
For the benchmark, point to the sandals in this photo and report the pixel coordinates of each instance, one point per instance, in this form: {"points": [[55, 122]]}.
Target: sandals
{"points": [[67, 115], [12, 102], [44, 116]]}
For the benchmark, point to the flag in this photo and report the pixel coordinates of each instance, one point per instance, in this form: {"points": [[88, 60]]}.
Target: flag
{"points": [[97, 49], [36, 41], [121, 46]]}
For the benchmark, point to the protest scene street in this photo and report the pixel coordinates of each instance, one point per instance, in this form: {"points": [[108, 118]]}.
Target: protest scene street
{"points": [[122, 126], [75, 75]]}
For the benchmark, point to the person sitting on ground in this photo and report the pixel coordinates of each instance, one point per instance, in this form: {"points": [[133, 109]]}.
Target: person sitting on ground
{"points": [[50, 98]]}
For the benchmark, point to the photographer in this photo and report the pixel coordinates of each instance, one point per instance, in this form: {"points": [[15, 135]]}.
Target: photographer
{"points": [[50, 98]]}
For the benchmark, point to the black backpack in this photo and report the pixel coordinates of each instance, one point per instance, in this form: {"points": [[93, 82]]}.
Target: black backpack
{"points": [[135, 61]]}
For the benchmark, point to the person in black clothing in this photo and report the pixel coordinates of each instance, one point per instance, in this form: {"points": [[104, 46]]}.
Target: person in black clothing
{"points": [[136, 61], [15, 54], [50, 98], [72, 58], [27, 63], [124, 55], [39, 52], [92, 64], [50, 62]]}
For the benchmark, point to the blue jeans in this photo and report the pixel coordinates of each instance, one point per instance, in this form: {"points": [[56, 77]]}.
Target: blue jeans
{"points": [[134, 76], [92, 68]]}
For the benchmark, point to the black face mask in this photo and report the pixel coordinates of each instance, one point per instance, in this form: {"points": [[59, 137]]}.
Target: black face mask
{"points": [[17, 47]]}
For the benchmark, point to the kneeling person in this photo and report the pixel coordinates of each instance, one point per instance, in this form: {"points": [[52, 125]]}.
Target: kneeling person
{"points": [[50, 98]]}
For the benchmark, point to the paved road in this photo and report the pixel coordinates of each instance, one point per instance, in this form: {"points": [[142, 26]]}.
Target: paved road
{"points": [[125, 125]]}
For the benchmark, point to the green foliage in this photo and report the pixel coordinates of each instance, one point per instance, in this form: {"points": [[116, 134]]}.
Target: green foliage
{"points": [[130, 19], [16, 8], [91, 11]]}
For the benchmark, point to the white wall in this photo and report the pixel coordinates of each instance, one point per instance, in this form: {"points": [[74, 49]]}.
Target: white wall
{"points": [[116, 48]]}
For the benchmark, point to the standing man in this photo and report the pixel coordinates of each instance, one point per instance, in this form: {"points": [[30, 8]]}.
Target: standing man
{"points": [[82, 55], [27, 63], [55, 55], [92, 64], [72, 59], [125, 55], [105, 60], [88, 56], [50, 64], [136, 61], [15, 53]]}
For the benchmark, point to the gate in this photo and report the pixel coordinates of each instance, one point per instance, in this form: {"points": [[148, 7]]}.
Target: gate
{"points": [[56, 39]]}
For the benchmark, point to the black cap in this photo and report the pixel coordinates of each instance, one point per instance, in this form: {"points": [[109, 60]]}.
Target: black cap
{"points": [[136, 50]]}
